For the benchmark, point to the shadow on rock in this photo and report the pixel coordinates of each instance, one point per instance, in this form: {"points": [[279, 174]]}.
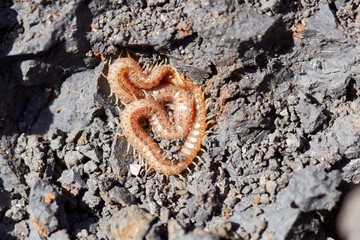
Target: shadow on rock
{"points": [[33, 72], [9, 27]]}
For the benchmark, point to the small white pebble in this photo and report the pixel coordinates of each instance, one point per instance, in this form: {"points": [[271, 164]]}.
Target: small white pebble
{"points": [[135, 169]]}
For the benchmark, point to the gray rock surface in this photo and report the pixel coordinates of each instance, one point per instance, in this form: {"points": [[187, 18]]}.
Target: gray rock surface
{"points": [[44, 25], [75, 107], [130, 223], [71, 181], [309, 190], [46, 211]]}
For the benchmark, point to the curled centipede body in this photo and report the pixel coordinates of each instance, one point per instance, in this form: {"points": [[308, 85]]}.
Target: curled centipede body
{"points": [[145, 94]]}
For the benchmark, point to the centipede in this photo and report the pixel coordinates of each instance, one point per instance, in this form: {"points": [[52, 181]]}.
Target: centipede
{"points": [[144, 94]]}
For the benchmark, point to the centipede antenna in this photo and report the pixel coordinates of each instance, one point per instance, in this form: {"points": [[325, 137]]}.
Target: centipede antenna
{"points": [[200, 159]]}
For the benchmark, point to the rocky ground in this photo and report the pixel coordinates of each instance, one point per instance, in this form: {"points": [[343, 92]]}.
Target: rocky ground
{"points": [[281, 161]]}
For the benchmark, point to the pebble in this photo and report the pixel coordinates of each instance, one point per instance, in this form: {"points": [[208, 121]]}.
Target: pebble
{"points": [[73, 158], [271, 187]]}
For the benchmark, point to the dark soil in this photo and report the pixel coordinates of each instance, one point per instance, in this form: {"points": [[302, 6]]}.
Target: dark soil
{"points": [[283, 79]]}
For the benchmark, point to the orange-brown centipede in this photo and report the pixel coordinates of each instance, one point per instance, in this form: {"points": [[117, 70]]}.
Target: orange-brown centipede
{"points": [[144, 95]]}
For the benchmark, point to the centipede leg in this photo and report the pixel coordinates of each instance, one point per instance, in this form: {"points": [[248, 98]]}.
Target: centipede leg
{"points": [[147, 171], [211, 121], [134, 152], [119, 135], [118, 109], [102, 74], [156, 65], [210, 116], [207, 105], [145, 93], [200, 159], [182, 177], [146, 167], [209, 132], [196, 165], [146, 67], [122, 103]]}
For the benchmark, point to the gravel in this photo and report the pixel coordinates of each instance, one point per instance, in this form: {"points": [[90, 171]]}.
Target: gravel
{"points": [[282, 79]]}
